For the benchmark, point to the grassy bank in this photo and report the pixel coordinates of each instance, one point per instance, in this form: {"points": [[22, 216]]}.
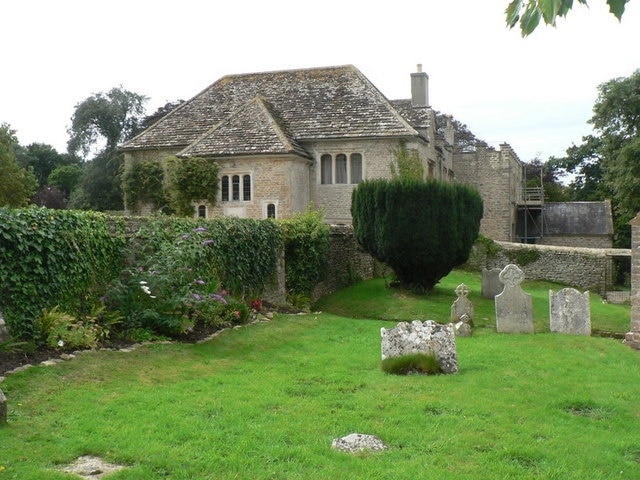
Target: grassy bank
{"points": [[265, 402]]}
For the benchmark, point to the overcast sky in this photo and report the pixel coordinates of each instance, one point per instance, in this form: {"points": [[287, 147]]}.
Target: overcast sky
{"points": [[535, 93]]}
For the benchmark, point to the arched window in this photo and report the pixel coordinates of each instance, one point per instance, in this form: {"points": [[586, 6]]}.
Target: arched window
{"points": [[246, 188], [202, 211], [271, 211], [224, 188], [235, 187], [326, 166], [356, 167], [341, 168]]}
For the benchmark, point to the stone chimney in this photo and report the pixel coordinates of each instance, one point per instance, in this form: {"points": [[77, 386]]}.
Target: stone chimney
{"points": [[420, 88]]}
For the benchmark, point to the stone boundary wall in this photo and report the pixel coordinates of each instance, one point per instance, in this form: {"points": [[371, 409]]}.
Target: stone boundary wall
{"points": [[581, 268], [348, 263]]}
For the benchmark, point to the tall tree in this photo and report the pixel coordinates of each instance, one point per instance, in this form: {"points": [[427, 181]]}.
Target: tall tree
{"points": [[606, 163], [42, 159], [105, 120], [17, 184], [538, 173], [99, 124], [529, 13], [464, 139]]}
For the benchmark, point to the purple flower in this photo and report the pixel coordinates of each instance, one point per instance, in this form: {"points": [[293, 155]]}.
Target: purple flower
{"points": [[199, 282], [184, 237], [219, 298], [200, 229], [207, 242], [197, 296]]}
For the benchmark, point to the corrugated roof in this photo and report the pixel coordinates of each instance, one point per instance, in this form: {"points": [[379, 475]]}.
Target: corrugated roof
{"points": [[309, 104]]}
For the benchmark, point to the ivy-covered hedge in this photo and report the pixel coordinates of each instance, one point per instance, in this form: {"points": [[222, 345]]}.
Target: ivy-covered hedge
{"points": [[162, 274], [307, 243], [245, 251], [55, 257]]}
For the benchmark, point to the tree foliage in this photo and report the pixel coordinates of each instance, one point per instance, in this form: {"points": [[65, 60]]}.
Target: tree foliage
{"points": [[422, 230], [105, 119], [528, 13], [464, 139], [99, 124], [17, 184], [605, 165]]}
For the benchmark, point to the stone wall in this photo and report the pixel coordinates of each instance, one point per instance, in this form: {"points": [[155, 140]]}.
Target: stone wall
{"points": [[582, 241], [497, 174], [582, 268], [347, 263]]}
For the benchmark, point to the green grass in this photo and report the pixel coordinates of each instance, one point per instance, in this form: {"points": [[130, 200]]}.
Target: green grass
{"points": [[373, 300], [265, 402]]}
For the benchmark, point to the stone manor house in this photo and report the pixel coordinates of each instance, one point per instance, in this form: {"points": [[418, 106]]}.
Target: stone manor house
{"points": [[286, 139]]}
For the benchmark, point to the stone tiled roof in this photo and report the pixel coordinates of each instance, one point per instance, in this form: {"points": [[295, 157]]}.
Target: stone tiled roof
{"points": [[297, 106], [418, 117], [253, 128]]}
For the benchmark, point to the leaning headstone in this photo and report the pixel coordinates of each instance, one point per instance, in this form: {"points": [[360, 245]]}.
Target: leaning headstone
{"points": [[357, 442], [569, 312], [462, 305], [514, 309], [491, 284], [426, 337], [3, 408]]}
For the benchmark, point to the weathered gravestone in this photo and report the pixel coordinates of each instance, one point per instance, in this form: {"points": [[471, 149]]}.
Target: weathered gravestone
{"points": [[462, 312], [632, 337], [358, 442], [462, 305], [569, 312], [514, 310], [427, 337], [3, 408], [4, 332], [491, 284]]}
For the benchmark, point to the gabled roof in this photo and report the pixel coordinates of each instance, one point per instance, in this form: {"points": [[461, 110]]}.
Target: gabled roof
{"points": [[309, 104], [578, 218], [253, 128]]}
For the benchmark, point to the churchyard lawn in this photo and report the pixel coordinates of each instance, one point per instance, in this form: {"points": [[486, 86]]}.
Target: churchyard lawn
{"points": [[265, 401]]}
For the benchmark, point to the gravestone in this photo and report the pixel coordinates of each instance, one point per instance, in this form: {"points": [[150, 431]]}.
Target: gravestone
{"points": [[4, 332], [462, 327], [3, 408], [427, 337], [358, 442], [632, 337], [569, 312], [462, 305], [491, 284], [514, 309]]}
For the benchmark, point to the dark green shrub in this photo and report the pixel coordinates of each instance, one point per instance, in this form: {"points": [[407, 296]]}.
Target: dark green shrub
{"points": [[55, 257], [306, 250], [421, 363], [422, 230]]}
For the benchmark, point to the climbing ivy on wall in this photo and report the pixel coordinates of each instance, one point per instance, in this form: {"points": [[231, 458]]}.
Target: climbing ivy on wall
{"points": [[191, 179], [55, 257], [143, 182]]}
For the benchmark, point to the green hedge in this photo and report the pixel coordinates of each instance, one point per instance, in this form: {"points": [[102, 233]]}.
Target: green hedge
{"points": [[55, 257]]}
